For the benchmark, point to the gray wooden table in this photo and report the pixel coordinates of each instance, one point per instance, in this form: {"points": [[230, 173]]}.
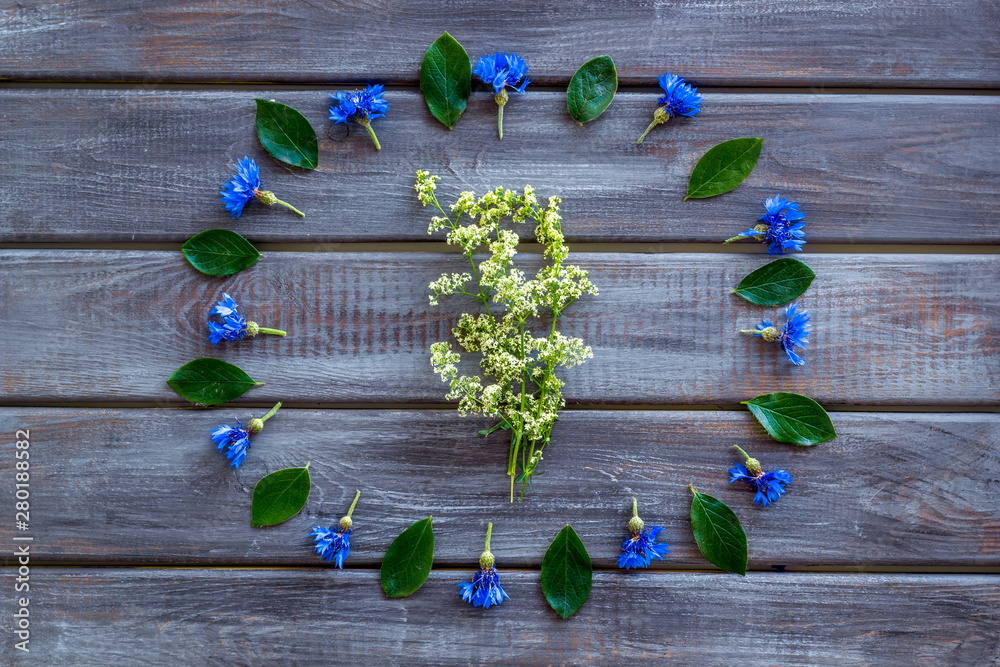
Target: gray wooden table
{"points": [[119, 122]]}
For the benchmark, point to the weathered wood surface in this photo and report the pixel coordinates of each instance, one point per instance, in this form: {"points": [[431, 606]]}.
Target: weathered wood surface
{"points": [[130, 165], [100, 326], [148, 486], [271, 617], [779, 42]]}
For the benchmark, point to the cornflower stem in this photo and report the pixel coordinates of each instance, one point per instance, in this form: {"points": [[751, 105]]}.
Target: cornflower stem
{"points": [[635, 508], [651, 126], [500, 121], [288, 206], [371, 133], [356, 496], [489, 532], [735, 238], [273, 411], [273, 332], [753, 332]]}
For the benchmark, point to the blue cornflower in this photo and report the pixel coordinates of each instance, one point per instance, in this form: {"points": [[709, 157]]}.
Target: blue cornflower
{"points": [[769, 485], [236, 439], [361, 106], [244, 186], [502, 71], [640, 547], [234, 442], [678, 99], [335, 544], [485, 589], [795, 333], [780, 228], [233, 325]]}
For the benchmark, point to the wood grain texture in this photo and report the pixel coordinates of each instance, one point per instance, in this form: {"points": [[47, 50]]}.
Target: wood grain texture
{"points": [[147, 486], [200, 617], [130, 165], [778, 42], [112, 326]]}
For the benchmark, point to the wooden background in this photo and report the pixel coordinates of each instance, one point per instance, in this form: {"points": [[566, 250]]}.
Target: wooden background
{"points": [[119, 122]]}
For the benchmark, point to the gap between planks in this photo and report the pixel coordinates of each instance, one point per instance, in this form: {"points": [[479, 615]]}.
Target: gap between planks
{"points": [[395, 87], [534, 248], [447, 407], [804, 569]]}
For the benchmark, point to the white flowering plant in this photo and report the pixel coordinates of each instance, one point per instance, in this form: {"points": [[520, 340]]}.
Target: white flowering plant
{"points": [[518, 385]]}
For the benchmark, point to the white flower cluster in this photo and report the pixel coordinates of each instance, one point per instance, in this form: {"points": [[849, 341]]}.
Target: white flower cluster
{"points": [[518, 385]]}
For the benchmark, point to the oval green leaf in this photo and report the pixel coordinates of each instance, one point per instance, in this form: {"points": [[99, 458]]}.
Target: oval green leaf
{"points": [[724, 167], [778, 282], [718, 532], [210, 381], [220, 252], [279, 496], [286, 134], [567, 573], [591, 89], [446, 79], [408, 560], [792, 418]]}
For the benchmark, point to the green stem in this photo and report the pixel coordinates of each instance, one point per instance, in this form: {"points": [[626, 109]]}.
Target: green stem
{"points": [[755, 332], [489, 532], [289, 206], [356, 496], [273, 332], [500, 121], [371, 133], [635, 509], [693, 490], [272, 412], [740, 450], [735, 238], [651, 126]]}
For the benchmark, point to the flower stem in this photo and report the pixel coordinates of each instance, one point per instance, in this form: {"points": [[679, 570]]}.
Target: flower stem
{"points": [[489, 532], [740, 450], [754, 332], [651, 126], [356, 496], [289, 206], [273, 332], [500, 121], [635, 509], [735, 238], [371, 133], [273, 411]]}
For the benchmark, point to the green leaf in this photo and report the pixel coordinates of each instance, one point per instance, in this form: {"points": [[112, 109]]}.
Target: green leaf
{"points": [[220, 252], [724, 167], [776, 283], [792, 418], [567, 573], [286, 134], [210, 381], [446, 79], [591, 89], [279, 496], [718, 533], [408, 560]]}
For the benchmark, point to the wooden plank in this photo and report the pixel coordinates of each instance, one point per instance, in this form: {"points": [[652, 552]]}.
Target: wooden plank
{"points": [[819, 42], [100, 326], [147, 486], [131, 165], [280, 616]]}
